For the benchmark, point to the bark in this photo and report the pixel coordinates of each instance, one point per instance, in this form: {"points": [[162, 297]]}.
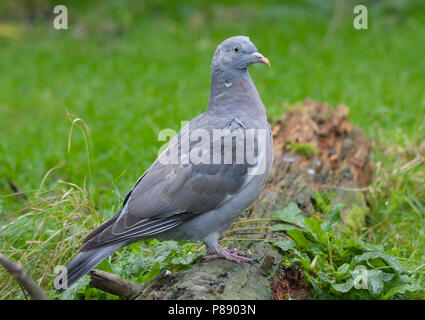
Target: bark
{"points": [[316, 149], [114, 284]]}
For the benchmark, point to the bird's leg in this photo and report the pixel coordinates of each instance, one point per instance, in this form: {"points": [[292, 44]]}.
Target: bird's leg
{"points": [[219, 252], [237, 252]]}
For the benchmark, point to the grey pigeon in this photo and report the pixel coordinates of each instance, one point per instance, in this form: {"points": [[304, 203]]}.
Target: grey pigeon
{"points": [[194, 190]]}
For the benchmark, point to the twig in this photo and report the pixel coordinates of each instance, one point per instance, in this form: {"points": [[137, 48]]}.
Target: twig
{"points": [[246, 229], [242, 239], [23, 278], [267, 220], [114, 284], [18, 191], [256, 220]]}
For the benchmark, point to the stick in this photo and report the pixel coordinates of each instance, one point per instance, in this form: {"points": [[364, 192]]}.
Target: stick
{"points": [[15, 188], [23, 278], [114, 284]]}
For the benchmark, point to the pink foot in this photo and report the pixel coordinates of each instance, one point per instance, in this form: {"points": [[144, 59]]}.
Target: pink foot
{"points": [[229, 254]]}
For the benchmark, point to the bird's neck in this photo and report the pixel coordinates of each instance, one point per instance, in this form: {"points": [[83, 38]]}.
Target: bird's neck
{"points": [[235, 88]]}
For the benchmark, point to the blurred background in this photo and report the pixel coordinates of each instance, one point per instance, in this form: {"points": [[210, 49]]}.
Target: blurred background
{"points": [[126, 69]]}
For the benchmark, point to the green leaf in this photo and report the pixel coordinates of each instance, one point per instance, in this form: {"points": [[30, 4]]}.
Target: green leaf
{"points": [[379, 259], [393, 262], [334, 218], [290, 213], [345, 286], [299, 238], [302, 242], [375, 281], [382, 279], [342, 270], [284, 244], [303, 259], [156, 269], [368, 256], [315, 228], [185, 259], [325, 279], [401, 284], [366, 246], [71, 293], [135, 247]]}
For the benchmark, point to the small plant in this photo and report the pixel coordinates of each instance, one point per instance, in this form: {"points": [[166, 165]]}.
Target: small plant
{"points": [[139, 262], [338, 267], [302, 149]]}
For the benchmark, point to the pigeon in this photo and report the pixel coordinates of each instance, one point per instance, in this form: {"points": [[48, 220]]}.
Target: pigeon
{"points": [[210, 172]]}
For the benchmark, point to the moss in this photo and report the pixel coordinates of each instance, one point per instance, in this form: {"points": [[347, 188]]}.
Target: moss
{"points": [[354, 221], [303, 149], [323, 201]]}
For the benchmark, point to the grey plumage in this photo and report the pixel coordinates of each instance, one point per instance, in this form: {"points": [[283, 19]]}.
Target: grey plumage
{"points": [[197, 200]]}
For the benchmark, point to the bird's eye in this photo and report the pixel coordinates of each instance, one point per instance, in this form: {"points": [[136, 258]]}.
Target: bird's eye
{"points": [[235, 49]]}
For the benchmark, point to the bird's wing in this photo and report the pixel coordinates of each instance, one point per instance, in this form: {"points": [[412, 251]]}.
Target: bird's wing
{"points": [[169, 193]]}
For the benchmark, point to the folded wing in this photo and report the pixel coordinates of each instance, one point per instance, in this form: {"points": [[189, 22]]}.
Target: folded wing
{"points": [[168, 194]]}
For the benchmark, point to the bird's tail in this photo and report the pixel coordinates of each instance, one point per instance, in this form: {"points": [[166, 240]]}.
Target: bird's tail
{"points": [[82, 264]]}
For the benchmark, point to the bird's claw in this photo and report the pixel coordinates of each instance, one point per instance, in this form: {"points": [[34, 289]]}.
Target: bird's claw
{"points": [[236, 252], [229, 254]]}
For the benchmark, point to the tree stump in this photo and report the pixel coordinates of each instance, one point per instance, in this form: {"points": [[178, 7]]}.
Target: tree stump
{"points": [[316, 149]]}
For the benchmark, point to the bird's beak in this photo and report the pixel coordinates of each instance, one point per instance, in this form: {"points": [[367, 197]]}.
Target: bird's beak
{"points": [[260, 58]]}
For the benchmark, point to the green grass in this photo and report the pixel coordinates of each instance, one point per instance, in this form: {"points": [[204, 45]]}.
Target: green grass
{"points": [[128, 73]]}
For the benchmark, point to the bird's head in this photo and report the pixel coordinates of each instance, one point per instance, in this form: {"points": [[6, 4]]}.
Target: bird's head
{"points": [[237, 53]]}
